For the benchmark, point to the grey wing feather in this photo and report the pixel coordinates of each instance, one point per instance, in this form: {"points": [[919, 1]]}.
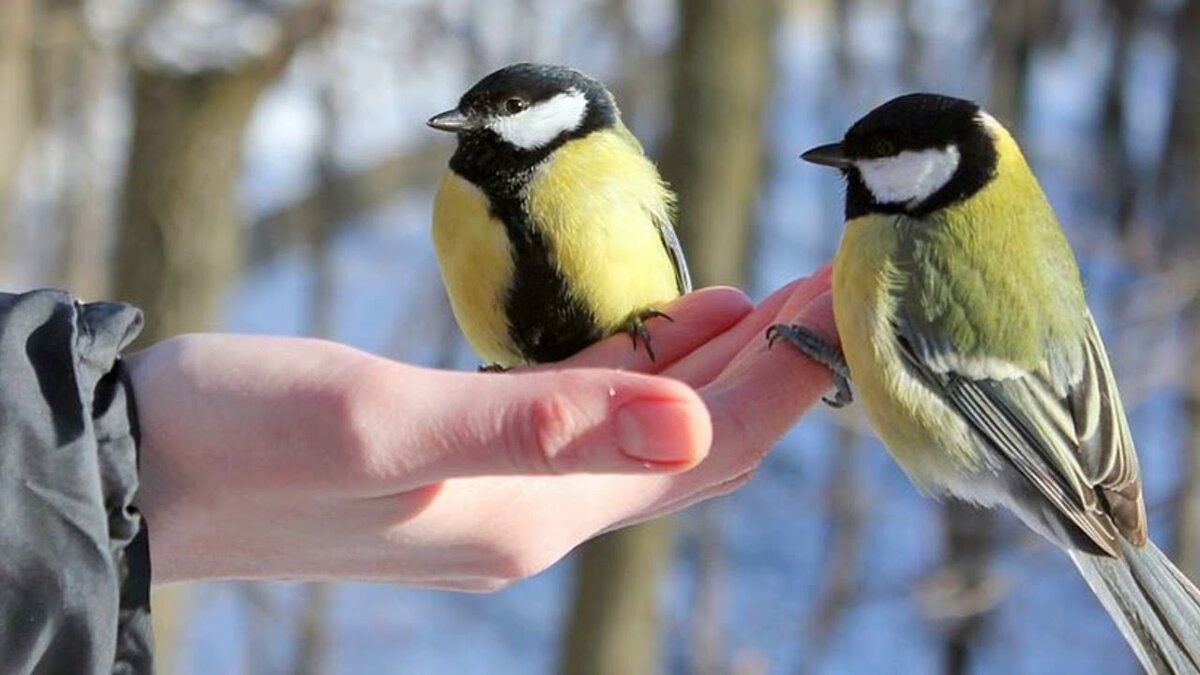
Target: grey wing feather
{"points": [[1064, 432], [1154, 605], [683, 279], [1062, 429]]}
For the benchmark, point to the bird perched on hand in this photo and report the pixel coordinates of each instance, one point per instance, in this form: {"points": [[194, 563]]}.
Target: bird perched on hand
{"points": [[964, 328], [552, 227]]}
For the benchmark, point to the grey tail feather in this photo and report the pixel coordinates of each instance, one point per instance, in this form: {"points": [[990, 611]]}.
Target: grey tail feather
{"points": [[1153, 604]]}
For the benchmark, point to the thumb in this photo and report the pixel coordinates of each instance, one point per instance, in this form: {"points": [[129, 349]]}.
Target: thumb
{"points": [[558, 421]]}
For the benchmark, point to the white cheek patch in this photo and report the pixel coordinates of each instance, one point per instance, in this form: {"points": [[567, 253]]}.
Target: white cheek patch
{"points": [[542, 122], [909, 177]]}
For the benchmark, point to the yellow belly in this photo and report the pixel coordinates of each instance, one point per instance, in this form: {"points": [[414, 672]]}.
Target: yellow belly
{"points": [[926, 437], [596, 199], [474, 256]]}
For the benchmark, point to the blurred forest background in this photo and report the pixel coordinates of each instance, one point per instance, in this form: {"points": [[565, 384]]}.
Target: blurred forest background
{"points": [[263, 165]]}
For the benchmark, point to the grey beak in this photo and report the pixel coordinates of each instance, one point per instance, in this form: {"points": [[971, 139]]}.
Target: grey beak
{"points": [[828, 155], [452, 121]]}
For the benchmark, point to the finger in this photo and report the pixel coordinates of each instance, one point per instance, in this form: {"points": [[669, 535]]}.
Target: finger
{"points": [[550, 422], [703, 365], [813, 311], [463, 585], [752, 406], [516, 527], [695, 319], [761, 394], [753, 403], [674, 503]]}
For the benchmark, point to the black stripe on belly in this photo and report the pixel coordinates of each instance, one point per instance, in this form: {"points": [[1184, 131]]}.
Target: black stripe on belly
{"points": [[544, 322]]}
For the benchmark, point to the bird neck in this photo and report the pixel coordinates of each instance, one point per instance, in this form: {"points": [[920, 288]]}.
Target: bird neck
{"points": [[500, 170]]}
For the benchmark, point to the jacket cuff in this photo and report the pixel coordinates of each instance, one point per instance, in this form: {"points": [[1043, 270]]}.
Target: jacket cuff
{"points": [[104, 329], [74, 574]]}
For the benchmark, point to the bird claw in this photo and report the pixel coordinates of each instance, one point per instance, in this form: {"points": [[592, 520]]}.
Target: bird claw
{"points": [[820, 350], [635, 326]]}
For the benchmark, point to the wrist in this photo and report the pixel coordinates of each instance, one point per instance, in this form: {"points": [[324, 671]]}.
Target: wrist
{"points": [[231, 427]]}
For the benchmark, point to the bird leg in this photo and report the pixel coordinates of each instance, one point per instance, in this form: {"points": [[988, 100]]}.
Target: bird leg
{"points": [[635, 326], [820, 350], [493, 368]]}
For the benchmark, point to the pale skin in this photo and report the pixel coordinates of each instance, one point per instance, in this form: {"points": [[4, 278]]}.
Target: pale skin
{"points": [[271, 457]]}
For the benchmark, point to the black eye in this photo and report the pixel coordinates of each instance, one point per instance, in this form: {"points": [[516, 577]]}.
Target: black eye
{"points": [[515, 105], [882, 147]]}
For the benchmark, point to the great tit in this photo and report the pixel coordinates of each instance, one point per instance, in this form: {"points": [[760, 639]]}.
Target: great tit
{"points": [[965, 331], [552, 228]]}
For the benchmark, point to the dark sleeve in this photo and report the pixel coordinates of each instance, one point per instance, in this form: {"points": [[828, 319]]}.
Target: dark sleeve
{"points": [[74, 560]]}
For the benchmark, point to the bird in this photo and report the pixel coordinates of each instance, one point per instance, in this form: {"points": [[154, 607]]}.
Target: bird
{"points": [[552, 228], [964, 328]]}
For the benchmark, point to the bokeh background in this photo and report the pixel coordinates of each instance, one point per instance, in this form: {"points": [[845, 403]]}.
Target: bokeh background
{"points": [[263, 166]]}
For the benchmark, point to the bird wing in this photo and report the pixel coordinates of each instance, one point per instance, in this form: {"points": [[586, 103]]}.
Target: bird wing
{"points": [[683, 279], [1065, 432], [662, 220]]}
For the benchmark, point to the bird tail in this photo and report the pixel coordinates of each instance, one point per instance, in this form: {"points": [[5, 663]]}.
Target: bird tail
{"points": [[1154, 605]]}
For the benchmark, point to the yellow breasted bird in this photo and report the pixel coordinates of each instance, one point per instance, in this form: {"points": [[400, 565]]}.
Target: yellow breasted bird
{"points": [[552, 228], [964, 328]]}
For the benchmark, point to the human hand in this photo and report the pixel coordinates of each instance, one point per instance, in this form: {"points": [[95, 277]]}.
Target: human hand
{"points": [[267, 457]]}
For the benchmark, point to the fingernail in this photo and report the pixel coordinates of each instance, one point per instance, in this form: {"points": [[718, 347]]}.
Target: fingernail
{"points": [[652, 431]]}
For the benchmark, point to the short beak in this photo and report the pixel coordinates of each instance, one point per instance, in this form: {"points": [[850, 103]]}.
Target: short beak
{"points": [[451, 120], [828, 155]]}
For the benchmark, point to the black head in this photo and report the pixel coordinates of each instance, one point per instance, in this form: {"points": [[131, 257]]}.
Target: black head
{"points": [[514, 118], [913, 155]]}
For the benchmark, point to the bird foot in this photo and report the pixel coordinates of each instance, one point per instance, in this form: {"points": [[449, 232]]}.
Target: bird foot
{"points": [[820, 350], [635, 326]]}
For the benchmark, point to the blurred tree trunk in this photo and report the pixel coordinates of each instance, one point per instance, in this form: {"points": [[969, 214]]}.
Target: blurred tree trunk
{"points": [[708, 653], [843, 57], [1015, 29], [845, 509], [16, 98], [911, 18], [1187, 530], [312, 629], [713, 158], [178, 246], [312, 639], [1121, 181], [1183, 162], [968, 534], [614, 614], [714, 153], [1011, 44], [261, 614], [179, 243], [70, 80]]}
